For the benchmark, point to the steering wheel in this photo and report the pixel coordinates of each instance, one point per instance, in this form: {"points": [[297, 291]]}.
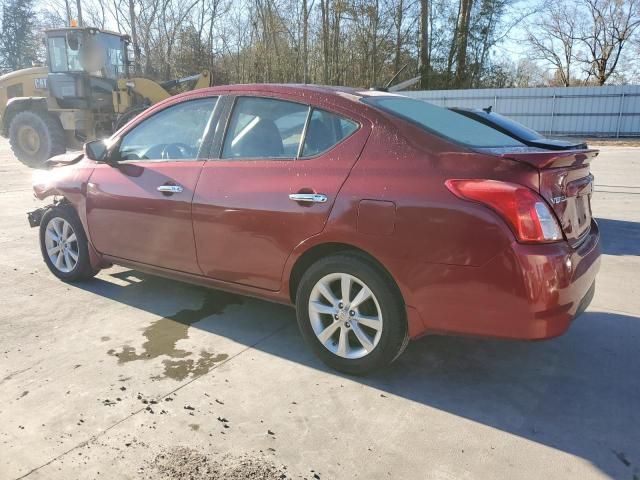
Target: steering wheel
{"points": [[176, 151]]}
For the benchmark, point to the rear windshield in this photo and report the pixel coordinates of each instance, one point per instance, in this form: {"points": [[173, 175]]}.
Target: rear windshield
{"points": [[443, 122], [517, 129]]}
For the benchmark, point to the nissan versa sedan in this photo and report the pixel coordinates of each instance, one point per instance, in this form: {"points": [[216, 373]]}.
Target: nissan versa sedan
{"points": [[381, 218]]}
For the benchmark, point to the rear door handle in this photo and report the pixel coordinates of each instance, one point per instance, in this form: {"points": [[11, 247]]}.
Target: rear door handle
{"points": [[308, 197], [170, 189]]}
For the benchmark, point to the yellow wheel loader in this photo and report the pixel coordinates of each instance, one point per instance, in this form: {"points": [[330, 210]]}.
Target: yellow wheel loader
{"points": [[85, 92]]}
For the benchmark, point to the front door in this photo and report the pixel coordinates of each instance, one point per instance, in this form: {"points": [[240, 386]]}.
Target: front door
{"points": [[271, 189], [140, 208]]}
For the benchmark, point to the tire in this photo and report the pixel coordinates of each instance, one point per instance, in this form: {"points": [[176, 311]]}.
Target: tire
{"points": [[36, 137], [67, 269], [316, 316]]}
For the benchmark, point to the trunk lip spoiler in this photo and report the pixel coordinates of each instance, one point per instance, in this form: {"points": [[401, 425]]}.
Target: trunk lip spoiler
{"points": [[553, 159]]}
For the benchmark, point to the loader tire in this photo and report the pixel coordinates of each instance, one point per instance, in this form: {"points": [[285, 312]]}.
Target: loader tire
{"points": [[36, 137]]}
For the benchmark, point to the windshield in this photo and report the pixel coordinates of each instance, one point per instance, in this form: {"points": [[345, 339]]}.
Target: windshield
{"points": [[100, 55], [443, 122]]}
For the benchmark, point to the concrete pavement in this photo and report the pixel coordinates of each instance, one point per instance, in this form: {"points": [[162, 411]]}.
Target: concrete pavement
{"points": [[98, 378]]}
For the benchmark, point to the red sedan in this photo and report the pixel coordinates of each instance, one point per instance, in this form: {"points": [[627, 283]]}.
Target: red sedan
{"points": [[382, 218]]}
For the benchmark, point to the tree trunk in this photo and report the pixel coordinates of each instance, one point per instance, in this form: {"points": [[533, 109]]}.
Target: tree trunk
{"points": [[305, 42], [134, 37], [462, 37], [324, 10], [399, 20], [66, 4], [423, 60], [79, 8], [335, 59], [374, 50]]}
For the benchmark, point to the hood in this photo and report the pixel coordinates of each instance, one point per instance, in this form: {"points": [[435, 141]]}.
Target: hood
{"points": [[65, 159]]}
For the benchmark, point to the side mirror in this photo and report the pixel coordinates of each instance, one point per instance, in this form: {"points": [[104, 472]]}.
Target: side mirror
{"points": [[97, 150]]}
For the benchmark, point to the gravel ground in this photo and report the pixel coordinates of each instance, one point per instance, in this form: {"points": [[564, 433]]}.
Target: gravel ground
{"points": [[182, 463]]}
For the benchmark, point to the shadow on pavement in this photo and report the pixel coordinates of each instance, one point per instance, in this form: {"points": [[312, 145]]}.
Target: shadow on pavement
{"points": [[619, 237], [579, 393]]}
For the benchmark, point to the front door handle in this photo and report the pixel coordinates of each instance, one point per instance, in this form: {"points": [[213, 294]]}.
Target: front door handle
{"points": [[308, 197], [170, 189]]}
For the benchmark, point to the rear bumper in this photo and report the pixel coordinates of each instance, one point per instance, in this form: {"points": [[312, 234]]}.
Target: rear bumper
{"points": [[527, 292]]}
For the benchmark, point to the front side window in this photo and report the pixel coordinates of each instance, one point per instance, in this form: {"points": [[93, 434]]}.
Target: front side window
{"points": [[264, 128], [443, 122], [324, 131], [175, 133]]}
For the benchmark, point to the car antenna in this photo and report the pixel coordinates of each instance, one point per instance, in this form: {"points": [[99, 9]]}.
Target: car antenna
{"points": [[388, 84], [488, 109]]}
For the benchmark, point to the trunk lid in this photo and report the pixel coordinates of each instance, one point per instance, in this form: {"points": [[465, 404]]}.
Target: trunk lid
{"points": [[566, 183]]}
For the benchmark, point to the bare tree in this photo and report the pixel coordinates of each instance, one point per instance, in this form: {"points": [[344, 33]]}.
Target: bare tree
{"points": [[609, 26], [352, 42], [552, 39]]}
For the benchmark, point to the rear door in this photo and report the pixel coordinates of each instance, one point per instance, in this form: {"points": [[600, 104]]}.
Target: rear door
{"points": [[140, 209], [269, 190]]}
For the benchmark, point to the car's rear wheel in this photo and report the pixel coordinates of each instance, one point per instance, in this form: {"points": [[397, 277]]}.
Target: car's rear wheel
{"points": [[350, 313], [64, 244]]}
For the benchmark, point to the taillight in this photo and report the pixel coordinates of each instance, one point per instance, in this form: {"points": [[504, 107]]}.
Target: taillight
{"points": [[525, 211]]}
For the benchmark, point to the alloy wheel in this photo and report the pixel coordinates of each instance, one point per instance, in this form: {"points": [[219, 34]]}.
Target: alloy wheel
{"points": [[345, 315], [61, 244]]}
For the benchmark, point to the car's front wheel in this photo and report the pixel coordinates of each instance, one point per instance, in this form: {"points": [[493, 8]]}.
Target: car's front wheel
{"points": [[64, 244], [351, 314]]}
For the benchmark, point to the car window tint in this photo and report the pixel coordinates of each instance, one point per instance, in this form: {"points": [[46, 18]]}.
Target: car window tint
{"points": [[444, 122], [324, 131], [264, 128], [511, 126], [175, 133]]}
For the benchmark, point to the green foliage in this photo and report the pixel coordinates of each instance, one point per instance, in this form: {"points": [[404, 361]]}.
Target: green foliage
{"points": [[18, 40]]}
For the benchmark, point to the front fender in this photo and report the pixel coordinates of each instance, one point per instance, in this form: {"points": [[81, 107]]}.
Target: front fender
{"points": [[69, 182]]}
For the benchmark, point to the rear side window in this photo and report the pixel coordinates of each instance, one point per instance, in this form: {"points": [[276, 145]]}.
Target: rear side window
{"points": [[324, 131], [444, 122], [264, 128]]}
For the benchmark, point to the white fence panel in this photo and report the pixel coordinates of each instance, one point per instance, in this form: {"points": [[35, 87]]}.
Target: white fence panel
{"points": [[610, 111]]}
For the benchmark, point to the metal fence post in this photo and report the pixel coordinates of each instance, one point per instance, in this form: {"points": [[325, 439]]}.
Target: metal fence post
{"points": [[620, 107], [553, 111]]}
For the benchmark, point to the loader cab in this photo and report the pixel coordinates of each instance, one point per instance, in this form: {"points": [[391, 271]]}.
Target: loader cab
{"points": [[84, 66]]}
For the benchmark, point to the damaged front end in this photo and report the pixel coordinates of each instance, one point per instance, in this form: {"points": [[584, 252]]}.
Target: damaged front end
{"points": [[35, 216]]}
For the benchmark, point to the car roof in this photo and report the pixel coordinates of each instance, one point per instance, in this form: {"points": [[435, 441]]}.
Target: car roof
{"points": [[345, 97], [303, 91]]}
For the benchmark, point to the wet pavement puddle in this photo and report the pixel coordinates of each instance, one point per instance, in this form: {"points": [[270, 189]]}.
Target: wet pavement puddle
{"points": [[163, 335]]}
